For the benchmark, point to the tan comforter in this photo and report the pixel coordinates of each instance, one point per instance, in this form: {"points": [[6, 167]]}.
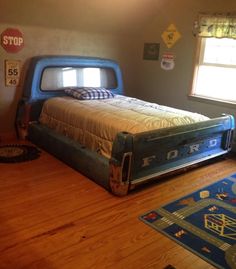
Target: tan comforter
{"points": [[95, 123]]}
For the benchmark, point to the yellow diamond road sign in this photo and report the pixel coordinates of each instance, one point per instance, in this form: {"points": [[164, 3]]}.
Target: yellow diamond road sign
{"points": [[170, 36]]}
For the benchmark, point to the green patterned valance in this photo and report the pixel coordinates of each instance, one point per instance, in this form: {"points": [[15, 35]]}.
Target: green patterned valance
{"points": [[218, 26]]}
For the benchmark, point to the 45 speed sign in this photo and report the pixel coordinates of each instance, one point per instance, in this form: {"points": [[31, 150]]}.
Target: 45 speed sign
{"points": [[12, 72]]}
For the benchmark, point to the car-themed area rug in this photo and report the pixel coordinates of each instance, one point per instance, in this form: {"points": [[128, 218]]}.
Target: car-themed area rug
{"points": [[18, 153], [204, 222]]}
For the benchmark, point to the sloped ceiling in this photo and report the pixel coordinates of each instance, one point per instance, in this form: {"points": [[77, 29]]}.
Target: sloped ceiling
{"points": [[115, 16]]}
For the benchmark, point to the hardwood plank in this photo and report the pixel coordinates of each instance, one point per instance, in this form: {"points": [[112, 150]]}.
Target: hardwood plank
{"points": [[51, 216]]}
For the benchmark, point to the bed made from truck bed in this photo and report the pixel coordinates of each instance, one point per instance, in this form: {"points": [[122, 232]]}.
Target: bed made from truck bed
{"points": [[75, 108]]}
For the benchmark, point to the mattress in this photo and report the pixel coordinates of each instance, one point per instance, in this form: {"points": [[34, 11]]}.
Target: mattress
{"points": [[95, 123]]}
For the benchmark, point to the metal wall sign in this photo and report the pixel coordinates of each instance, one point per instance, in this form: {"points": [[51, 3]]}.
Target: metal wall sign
{"points": [[167, 61], [12, 72], [170, 36], [12, 40]]}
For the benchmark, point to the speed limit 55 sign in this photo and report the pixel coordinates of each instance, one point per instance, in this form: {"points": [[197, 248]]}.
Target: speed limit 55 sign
{"points": [[12, 72]]}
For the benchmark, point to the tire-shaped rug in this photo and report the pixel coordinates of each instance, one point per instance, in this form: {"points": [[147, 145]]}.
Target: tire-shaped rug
{"points": [[18, 153]]}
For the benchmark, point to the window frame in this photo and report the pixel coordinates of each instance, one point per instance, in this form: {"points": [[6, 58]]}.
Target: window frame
{"points": [[200, 48]]}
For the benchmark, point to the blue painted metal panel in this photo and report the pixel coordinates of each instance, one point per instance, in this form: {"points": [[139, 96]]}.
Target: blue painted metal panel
{"points": [[172, 147], [72, 153]]}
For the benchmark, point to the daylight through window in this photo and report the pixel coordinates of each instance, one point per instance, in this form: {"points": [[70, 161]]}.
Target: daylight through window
{"points": [[215, 70]]}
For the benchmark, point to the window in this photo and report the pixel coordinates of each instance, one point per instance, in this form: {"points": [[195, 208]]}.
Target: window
{"points": [[215, 70], [92, 77], [69, 77], [58, 78]]}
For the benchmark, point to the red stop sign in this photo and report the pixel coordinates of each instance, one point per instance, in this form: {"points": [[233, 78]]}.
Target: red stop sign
{"points": [[12, 40]]}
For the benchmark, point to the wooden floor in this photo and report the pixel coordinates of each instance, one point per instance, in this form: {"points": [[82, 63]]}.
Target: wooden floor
{"points": [[53, 217]]}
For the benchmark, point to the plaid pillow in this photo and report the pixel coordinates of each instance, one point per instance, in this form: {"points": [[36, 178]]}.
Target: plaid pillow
{"points": [[89, 93]]}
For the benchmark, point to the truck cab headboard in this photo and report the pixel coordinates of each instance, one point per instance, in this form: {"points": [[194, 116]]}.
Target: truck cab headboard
{"points": [[48, 76]]}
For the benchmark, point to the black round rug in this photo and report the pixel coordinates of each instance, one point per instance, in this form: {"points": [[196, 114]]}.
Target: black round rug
{"points": [[18, 153]]}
